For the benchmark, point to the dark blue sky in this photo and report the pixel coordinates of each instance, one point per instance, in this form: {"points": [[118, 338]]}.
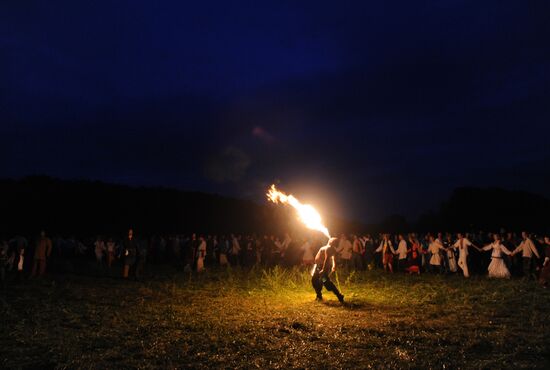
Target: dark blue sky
{"points": [[363, 108]]}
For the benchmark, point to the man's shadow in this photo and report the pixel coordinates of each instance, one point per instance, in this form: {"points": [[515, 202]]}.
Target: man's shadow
{"points": [[354, 304]]}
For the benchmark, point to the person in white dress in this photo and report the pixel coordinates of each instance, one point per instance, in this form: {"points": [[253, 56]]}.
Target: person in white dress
{"points": [[201, 254], [497, 267]]}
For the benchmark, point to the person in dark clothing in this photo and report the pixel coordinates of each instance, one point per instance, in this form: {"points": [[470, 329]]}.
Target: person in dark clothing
{"points": [[42, 252], [325, 263], [129, 252], [3, 262], [141, 257], [544, 278]]}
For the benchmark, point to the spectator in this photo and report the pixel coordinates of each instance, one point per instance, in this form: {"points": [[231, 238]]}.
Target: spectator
{"points": [[41, 254], [435, 248], [3, 262], [402, 253], [545, 273], [462, 245], [450, 253], [110, 252], [358, 250], [129, 253], [201, 254], [387, 250], [308, 253], [345, 250], [99, 249], [527, 249]]}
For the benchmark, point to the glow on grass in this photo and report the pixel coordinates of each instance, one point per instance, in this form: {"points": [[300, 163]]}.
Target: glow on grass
{"points": [[306, 213]]}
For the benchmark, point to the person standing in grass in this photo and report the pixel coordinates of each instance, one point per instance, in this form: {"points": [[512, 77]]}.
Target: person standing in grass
{"points": [[425, 252], [99, 249], [357, 250], [386, 247], [443, 255], [110, 252], [450, 253], [544, 277], [201, 254], [436, 248], [368, 247], [42, 252], [223, 249], [3, 262], [402, 253], [141, 257], [129, 253], [414, 255], [308, 257], [462, 245], [527, 249], [345, 250], [325, 263], [497, 267]]}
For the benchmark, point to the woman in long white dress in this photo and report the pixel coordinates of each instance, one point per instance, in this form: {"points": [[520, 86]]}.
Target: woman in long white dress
{"points": [[201, 253], [497, 267]]}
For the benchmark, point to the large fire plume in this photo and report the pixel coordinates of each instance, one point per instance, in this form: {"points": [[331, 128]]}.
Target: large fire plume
{"points": [[306, 213]]}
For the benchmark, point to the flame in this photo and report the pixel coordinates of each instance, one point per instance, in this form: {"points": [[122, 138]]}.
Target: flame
{"points": [[306, 213]]}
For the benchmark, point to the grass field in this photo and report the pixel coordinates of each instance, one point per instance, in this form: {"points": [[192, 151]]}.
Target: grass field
{"points": [[261, 319]]}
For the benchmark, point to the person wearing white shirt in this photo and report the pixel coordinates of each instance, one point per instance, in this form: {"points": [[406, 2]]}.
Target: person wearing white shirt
{"points": [[527, 249], [345, 249], [497, 267], [308, 256], [435, 247], [462, 245], [544, 277], [99, 250], [402, 253]]}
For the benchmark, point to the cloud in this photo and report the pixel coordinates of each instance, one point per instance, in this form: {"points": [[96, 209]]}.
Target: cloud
{"points": [[230, 165], [262, 134]]}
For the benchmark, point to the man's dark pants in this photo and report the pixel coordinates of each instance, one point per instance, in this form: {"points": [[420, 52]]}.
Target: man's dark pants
{"points": [[318, 280]]}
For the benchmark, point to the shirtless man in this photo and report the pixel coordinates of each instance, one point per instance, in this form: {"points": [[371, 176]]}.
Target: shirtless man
{"points": [[322, 270]]}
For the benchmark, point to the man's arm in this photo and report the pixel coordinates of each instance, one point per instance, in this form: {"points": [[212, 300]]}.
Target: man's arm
{"points": [[333, 264], [518, 249], [533, 248]]}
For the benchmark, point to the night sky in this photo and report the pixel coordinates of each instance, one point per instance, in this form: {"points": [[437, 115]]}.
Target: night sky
{"points": [[364, 108]]}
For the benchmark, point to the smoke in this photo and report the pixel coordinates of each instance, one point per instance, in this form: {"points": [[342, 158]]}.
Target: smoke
{"points": [[229, 165], [262, 134]]}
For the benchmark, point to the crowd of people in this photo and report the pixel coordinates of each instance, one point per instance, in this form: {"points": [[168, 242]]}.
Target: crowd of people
{"points": [[499, 255]]}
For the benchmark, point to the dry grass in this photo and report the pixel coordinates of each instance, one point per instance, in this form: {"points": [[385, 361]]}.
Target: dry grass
{"points": [[269, 320]]}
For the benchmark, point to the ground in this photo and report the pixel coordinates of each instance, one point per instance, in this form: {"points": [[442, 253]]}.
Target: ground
{"points": [[269, 319]]}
